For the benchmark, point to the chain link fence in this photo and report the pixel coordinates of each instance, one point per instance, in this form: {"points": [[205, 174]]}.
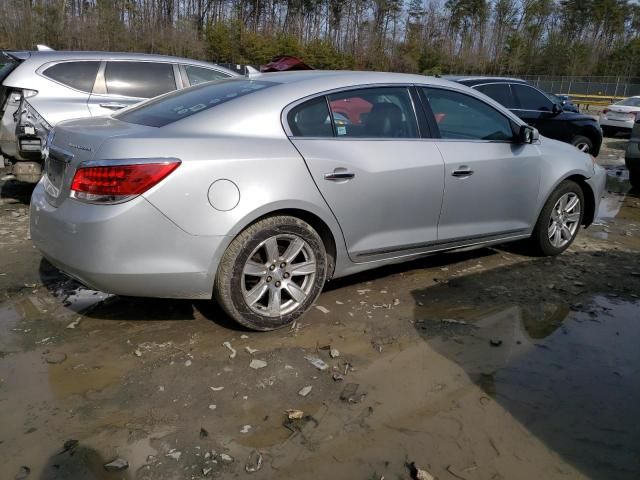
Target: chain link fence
{"points": [[592, 85]]}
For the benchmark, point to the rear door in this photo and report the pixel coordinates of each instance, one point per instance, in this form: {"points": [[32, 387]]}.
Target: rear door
{"points": [[382, 181], [491, 181], [124, 83]]}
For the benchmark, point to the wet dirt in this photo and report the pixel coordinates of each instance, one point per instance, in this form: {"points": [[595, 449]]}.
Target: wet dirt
{"points": [[480, 365]]}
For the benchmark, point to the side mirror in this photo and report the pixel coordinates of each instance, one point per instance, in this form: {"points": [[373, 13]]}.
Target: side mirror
{"points": [[528, 134]]}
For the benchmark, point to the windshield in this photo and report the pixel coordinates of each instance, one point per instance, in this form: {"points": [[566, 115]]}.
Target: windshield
{"points": [[184, 103], [629, 102]]}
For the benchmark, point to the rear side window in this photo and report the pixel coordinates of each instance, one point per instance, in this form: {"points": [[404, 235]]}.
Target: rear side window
{"points": [[139, 79], [385, 112], [311, 119], [78, 75], [500, 92], [198, 75], [531, 99], [184, 103], [464, 117]]}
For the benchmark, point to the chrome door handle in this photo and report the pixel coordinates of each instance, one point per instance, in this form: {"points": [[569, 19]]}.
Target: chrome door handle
{"points": [[462, 171], [338, 175], [113, 105]]}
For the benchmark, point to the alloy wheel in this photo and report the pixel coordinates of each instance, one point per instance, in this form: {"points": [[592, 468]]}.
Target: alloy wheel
{"points": [[565, 219], [583, 147], [279, 275]]}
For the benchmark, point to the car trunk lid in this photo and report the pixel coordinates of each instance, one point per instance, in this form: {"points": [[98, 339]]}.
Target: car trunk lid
{"points": [[72, 143]]}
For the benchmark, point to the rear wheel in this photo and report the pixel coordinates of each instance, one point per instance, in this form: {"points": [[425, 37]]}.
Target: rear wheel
{"points": [[271, 273], [559, 220], [582, 143]]}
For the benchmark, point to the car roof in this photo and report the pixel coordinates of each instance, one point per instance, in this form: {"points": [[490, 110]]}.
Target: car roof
{"points": [[42, 57], [291, 87], [480, 79], [342, 78]]}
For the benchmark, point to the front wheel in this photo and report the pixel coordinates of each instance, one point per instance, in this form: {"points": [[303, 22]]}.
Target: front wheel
{"points": [[559, 220], [271, 273], [582, 143]]}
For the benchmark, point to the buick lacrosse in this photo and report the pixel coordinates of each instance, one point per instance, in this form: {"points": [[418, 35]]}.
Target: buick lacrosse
{"points": [[257, 190]]}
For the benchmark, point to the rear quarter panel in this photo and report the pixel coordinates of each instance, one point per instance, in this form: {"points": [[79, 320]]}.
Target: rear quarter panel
{"points": [[269, 173]]}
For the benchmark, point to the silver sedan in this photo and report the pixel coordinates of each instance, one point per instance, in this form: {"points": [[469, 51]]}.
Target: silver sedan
{"points": [[257, 190]]}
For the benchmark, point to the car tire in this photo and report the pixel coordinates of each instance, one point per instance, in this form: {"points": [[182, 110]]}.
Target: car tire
{"points": [[582, 143], [545, 240], [271, 273]]}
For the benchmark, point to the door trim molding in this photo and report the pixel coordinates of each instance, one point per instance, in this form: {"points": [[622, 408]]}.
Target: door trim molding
{"points": [[440, 245]]}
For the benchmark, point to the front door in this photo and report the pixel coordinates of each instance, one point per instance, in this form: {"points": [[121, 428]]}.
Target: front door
{"points": [[382, 182], [491, 180]]}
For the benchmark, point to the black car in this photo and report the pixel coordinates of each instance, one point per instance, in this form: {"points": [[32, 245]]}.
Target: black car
{"points": [[632, 156], [539, 111]]}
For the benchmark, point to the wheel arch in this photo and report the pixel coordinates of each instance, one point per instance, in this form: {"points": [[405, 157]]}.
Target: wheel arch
{"points": [[318, 224], [587, 191], [323, 222], [589, 198]]}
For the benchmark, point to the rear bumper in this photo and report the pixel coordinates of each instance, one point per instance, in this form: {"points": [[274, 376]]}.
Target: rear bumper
{"points": [[620, 124], [128, 249]]}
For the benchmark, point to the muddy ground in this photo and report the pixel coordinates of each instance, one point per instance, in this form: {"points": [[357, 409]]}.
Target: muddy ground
{"points": [[481, 365]]}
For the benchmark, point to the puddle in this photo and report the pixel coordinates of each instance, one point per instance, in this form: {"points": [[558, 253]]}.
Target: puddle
{"points": [[609, 207], [572, 378]]}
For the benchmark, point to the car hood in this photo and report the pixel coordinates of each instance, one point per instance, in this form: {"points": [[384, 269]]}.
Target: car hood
{"points": [[574, 116]]}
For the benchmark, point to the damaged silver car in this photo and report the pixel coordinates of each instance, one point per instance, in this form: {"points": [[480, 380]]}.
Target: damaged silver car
{"points": [[258, 190], [41, 88]]}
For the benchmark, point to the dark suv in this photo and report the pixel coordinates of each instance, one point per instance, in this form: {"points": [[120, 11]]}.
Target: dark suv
{"points": [[539, 111]]}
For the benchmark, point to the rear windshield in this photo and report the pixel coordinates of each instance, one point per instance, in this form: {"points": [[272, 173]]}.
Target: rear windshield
{"points": [[182, 104], [630, 102]]}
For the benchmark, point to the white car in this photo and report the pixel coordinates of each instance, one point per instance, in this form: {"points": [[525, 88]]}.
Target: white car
{"points": [[619, 117]]}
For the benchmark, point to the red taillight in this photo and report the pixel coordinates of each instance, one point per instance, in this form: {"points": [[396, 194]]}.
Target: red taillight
{"points": [[605, 111], [113, 183]]}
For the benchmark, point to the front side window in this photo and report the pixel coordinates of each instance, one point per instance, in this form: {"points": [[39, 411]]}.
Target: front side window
{"points": [[461, 116], [78, 75], [500, 92], [385, 112], [198, 75], [531, 99], [139, 79], [311, 119], [184, 103]]}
